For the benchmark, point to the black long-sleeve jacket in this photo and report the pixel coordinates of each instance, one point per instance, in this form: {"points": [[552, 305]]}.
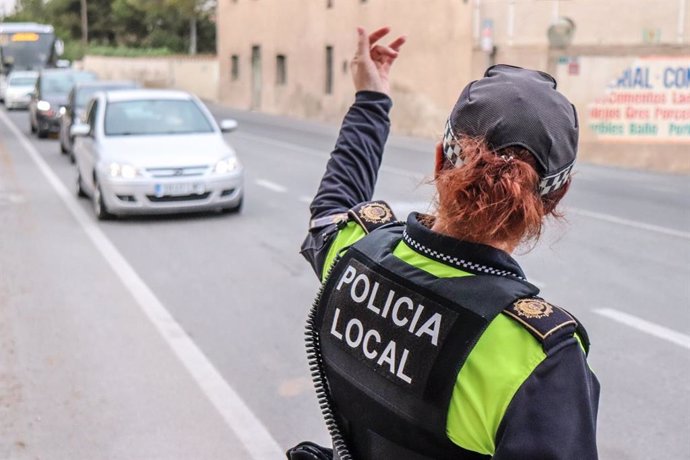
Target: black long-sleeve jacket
{"points": [[551, 414]]}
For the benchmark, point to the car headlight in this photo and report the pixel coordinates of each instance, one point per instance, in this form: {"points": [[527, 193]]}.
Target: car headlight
{"points": [[226, 165], [124, 171], [63, 110], [43, 106]]}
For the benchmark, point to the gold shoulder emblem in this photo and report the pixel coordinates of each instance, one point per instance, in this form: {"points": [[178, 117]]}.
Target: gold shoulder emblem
{"points": [[375, 213], [533, 308]]}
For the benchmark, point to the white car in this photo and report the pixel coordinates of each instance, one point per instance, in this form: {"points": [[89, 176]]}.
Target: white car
{"points": [[18, 89], [155, 151]]}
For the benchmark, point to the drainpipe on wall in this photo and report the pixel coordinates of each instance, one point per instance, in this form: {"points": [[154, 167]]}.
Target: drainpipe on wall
{"points": [[511, 22], [682, 7], [477, 22]]}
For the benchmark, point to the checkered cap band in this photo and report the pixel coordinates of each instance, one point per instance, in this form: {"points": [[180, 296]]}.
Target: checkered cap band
{"points": [[451, 146], [452, 150], [554, 182]]}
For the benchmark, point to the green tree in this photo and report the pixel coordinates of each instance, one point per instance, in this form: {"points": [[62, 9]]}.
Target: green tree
{"points": [[178, 25], [28, 10], [194, 11]]}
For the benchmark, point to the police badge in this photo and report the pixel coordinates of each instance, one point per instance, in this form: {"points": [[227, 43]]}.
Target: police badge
{"points": [[371, 215]]}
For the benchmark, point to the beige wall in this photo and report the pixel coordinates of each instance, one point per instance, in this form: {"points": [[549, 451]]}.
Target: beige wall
{"points": [[425, 83], [444, 52], [597, 22], [610, 37], [198, 75]]}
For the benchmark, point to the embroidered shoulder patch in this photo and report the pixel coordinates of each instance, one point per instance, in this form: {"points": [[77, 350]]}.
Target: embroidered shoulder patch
{"points": [[539, 317], [371, 215]]}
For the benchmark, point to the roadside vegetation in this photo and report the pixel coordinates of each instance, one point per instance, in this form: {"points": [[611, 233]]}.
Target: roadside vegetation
{"points": [[125, 27]]}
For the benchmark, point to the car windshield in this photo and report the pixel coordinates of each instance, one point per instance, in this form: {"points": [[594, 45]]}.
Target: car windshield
{"points": [[22, 81], [26, 50], [147, 117], [60, 83]]}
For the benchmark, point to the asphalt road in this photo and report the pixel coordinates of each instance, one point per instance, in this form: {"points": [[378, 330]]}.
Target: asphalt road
{"points": [[181, 337]]}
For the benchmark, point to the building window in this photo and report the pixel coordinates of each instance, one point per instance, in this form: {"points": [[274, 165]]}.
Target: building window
{"points": [[329, 70], [281, 69], [234, 67]]}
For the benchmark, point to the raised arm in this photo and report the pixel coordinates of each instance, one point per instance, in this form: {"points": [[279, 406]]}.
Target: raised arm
{"points": [[352, 170]]}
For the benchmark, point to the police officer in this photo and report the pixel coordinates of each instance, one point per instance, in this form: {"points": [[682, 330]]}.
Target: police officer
{"points": [[427, 340]]}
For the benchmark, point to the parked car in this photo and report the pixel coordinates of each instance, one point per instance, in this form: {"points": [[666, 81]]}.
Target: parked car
{"points": [[77, 99], [18, 89], [50, 96], [155, 151]]}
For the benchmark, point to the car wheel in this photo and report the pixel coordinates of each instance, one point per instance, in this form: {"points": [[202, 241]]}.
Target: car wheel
{"points": [[99, 206], [80, 186], [235, 209]]}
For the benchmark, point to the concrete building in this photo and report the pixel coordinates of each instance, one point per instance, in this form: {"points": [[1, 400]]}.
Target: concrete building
{"points": [[292, 56], [624, 63]]}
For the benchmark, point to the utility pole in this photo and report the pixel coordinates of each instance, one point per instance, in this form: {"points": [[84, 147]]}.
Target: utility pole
{"points": [[192, 33], [84, 25]]}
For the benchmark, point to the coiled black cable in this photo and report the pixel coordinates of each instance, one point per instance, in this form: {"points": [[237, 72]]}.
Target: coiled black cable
{"points": [[318, 375]]}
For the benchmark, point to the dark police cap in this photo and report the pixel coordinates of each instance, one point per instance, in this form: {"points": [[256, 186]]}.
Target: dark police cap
{"points": [[512, 106]]}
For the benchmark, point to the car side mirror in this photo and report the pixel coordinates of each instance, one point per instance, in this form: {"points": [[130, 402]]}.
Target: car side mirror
{"points": [[228, 125], [81, 130], [59, 47]]}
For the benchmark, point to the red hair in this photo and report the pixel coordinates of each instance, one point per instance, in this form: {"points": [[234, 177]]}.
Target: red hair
{"points": [[494, 197]]}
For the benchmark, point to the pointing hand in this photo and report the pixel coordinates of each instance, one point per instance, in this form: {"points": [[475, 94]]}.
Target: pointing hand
{"points": [[372, 63]]}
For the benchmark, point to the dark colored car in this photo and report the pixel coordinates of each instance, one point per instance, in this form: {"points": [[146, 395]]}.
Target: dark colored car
{"points": [[77, 100], [50, 96]]}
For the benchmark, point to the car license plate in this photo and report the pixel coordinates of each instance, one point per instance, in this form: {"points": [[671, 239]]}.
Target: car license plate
{"points": [[178, 189]]}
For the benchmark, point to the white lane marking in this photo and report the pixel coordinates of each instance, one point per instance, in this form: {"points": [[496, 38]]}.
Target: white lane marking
{"points": [[270, 185], [645, 326], [420, 177], [324, 155], [629, 223], [253, 435], [305, 199]]}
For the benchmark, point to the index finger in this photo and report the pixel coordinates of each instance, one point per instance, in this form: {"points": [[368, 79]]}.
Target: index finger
{"points": [[362, 41], [378, 34]]}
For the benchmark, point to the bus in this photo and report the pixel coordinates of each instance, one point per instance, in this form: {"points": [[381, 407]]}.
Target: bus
{"points": [[26, 46]]}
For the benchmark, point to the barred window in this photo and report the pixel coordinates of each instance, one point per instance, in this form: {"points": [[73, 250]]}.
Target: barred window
{"points": [[281, 69], [234, 67], [329, 70]]}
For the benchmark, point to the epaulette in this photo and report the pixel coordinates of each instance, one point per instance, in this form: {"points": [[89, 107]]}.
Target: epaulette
{"points": [[325, 221], [371, 215], [544, 321]]}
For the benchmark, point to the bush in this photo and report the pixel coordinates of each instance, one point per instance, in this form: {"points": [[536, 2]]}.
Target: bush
{"points": [[121, 51], [74, 51]]}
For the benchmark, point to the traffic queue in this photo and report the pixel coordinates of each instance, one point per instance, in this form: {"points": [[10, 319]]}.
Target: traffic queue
{"points": [[135, 150]]}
